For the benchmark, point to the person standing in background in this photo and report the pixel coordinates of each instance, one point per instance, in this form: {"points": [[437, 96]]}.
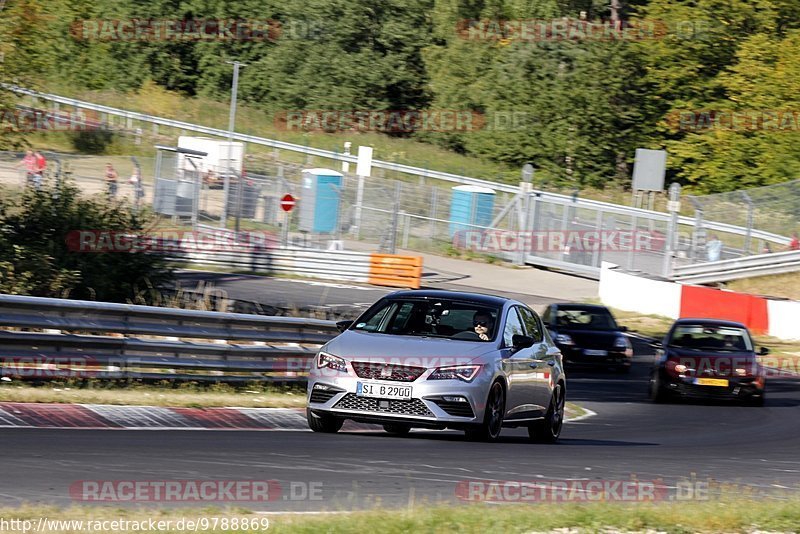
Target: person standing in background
{"points": [[794, 244], [41, 166], [111, 180], [29, 163]]}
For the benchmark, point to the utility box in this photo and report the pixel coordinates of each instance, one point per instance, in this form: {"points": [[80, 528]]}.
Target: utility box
{"points": [[471, 205], [319, 201]]}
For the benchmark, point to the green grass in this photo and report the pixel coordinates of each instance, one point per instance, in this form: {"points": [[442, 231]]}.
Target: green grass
{"points": [[727, 515], [189, 394]]}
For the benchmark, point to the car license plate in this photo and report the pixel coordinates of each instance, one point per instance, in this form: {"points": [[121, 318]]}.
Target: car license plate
{"points": [[593, 352], [383, 391], [719, 382]]}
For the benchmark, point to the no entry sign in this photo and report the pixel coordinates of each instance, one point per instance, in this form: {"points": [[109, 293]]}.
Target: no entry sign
{"points": [[287, 202]]}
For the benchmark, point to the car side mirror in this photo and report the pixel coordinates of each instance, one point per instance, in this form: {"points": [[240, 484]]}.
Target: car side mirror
{"points": [[343, 325], [521, 342], [763, 351], [623, 328]]}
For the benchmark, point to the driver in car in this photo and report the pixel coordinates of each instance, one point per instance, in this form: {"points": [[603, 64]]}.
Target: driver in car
{"points": [[482, 323]]}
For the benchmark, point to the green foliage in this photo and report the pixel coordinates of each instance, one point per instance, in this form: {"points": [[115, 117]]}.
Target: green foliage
{"points": [[92, 141], [37, 244]]}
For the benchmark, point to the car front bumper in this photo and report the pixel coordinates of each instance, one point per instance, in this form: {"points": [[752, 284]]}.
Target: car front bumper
{"points": [[737, 388], [577, 356], [432, 402]]}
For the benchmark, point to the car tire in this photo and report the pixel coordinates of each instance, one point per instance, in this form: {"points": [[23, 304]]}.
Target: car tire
{"points": [[756, 401], [492, 424], [548, 430], [327, 424], [657, 392], [398, 429]]}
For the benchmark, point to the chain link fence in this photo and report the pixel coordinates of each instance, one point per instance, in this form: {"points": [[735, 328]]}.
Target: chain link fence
{"points": [[419, 215], [774, 209]]}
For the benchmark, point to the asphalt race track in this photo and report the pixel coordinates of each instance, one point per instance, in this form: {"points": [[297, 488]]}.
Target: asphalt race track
{"points": [[629, 437]]}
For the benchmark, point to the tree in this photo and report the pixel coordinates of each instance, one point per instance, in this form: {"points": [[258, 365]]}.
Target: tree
{"points": [[40, 259]]}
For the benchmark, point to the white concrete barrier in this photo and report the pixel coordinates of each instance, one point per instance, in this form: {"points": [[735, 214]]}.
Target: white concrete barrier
{"points": [[784, 319], [633, 293]]}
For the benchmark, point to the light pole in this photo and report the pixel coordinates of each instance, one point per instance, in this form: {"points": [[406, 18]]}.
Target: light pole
{"points": [[231, 124]]}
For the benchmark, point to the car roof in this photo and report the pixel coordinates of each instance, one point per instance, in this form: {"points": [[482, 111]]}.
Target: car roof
{"points": [[708, 322], [584, 307], [488, 300]]}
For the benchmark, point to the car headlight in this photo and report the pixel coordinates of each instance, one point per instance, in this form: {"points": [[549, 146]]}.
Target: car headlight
{"points": [[564, 339], [330, 361], [457, 372], [680, 368], [741, 371]]}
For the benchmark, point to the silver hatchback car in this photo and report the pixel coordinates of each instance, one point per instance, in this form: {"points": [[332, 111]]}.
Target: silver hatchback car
{"points": [[441, 359]]}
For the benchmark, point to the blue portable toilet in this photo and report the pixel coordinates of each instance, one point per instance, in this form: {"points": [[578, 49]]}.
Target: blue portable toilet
{"points": [[319, 200], [471, 204]]}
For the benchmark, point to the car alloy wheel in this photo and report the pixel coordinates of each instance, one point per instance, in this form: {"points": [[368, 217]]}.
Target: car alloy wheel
{"points": [[548, 429], [492, 416], [327, 424]]}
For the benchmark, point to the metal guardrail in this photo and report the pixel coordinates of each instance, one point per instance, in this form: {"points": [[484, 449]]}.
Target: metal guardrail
{"points": [[734, 269], [85, 339], [396, 167]]}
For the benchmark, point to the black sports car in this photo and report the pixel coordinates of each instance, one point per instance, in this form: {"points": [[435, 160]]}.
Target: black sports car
{"points": [[708, 358], [588, 335]]}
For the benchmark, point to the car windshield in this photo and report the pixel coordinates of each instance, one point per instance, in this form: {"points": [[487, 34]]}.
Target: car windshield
{"points": [[711, 337], [586, 319], [430, 318]]}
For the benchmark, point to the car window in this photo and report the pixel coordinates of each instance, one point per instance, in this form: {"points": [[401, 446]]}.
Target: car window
{"points": [[513, 327], [710, 337], [587, 319], [533, 327], [429, 317], [547, 313]]}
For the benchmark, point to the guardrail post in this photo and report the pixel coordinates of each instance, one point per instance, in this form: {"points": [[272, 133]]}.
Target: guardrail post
{"points": [[749, 229]]}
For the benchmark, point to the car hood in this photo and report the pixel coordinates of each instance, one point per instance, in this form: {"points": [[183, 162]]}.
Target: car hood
{"points": [[406, 350]]}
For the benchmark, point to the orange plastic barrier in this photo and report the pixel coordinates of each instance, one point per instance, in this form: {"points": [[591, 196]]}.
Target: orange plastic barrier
{"points": [[395, 271], [707, 303]]}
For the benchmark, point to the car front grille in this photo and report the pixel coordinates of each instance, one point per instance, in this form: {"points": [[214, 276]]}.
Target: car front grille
{"points": [[456, 409], [381, 371], [399, 407]]}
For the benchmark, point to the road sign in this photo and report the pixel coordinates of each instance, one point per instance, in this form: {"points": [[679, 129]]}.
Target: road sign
{"points": [[287, 202]]}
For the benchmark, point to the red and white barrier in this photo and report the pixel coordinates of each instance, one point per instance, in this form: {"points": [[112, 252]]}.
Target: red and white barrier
{"points": [[777, 318]]}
